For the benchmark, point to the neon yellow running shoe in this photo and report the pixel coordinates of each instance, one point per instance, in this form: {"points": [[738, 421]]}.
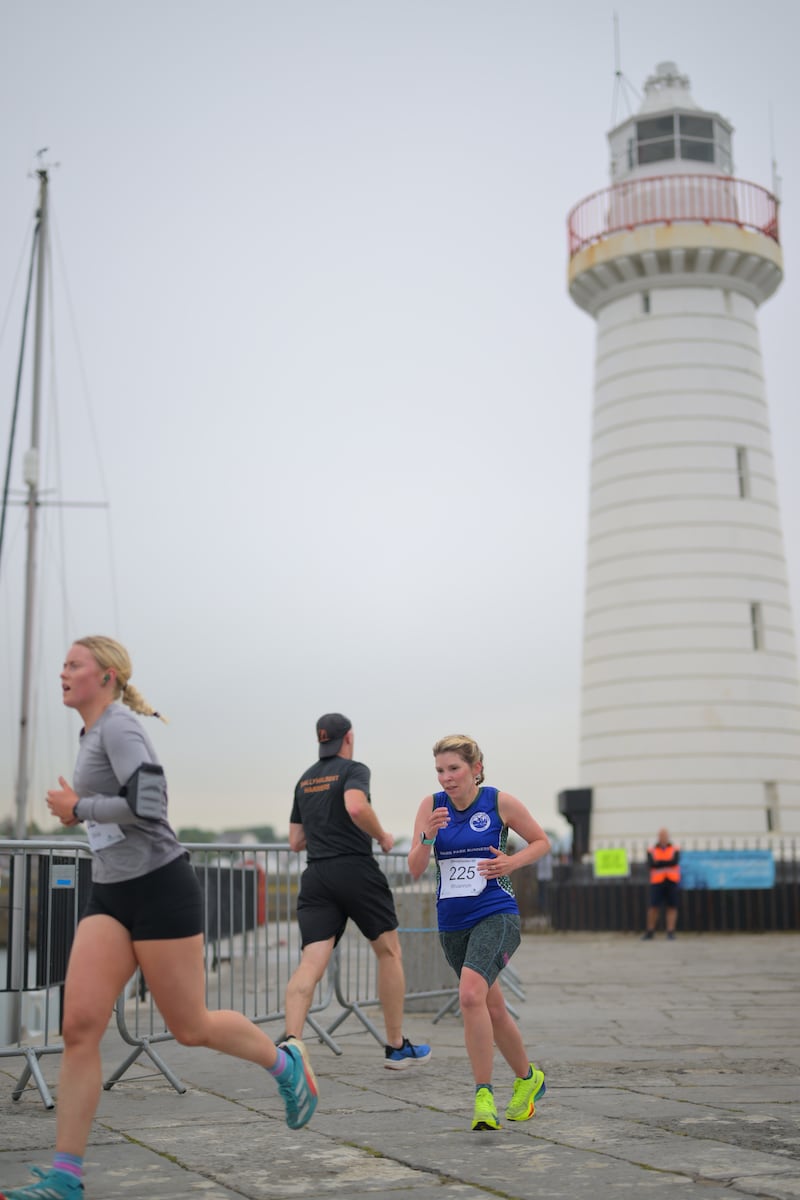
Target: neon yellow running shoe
{"points": [[520, 1107], [485, 1115]]}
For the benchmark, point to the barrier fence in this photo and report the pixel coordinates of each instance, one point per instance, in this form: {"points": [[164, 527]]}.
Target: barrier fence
{"points": [[727, 901], [43, 887], [253, 943], [252, 947]]}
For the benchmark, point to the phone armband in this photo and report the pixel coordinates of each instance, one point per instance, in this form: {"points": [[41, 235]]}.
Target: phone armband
{"points": [[146, 792]]}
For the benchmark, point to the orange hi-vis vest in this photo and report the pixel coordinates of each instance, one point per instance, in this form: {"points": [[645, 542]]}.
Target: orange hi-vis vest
{"points": [[665, 867]]}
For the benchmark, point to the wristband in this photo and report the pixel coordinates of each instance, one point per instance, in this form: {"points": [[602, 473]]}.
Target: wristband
{"points": [[426, 841]]}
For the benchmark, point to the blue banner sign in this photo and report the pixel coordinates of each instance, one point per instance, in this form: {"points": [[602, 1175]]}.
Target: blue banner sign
{"points": [[727, 869]]}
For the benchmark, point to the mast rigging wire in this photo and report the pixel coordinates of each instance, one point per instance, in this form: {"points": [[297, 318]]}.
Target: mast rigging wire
{"points": [[90, 414], [15, 410]]}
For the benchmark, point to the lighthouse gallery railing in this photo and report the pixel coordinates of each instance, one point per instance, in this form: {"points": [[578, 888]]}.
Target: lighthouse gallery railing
{"points": [[669, 199]]}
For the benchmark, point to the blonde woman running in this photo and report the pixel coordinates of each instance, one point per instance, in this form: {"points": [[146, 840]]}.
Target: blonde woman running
{"points": [[145, 909]]}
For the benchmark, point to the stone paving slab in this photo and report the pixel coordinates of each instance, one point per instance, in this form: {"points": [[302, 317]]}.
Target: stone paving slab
{"points": [[672, 1069]]}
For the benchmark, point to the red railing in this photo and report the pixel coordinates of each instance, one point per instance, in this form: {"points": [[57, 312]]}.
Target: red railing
{"points": [[666, 199]]}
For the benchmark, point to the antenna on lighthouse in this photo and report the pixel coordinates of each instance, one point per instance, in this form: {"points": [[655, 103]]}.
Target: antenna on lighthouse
{"points": [[776, 179], [622, 86]]}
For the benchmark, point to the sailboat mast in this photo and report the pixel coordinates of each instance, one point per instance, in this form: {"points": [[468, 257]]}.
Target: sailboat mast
{"points": [[31, 469]]}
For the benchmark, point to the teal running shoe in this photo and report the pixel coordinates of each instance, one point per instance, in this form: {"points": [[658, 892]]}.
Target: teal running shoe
{"points": [[52, 1185], [298, 1088]]}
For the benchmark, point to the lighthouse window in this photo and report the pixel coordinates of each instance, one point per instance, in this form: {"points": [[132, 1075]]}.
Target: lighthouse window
{"points": [[682, 135], [772, 806], [757, 626], [697, 138], [655, 139], [698, 127], [655, 127], [742, 472], [699, 151], [723, 148]]}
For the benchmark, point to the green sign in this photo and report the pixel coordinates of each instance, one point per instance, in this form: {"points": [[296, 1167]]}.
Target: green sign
{"points": [[608, 863]]}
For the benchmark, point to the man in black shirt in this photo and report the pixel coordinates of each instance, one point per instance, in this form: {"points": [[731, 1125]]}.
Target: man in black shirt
{"points": [[334, 822]]}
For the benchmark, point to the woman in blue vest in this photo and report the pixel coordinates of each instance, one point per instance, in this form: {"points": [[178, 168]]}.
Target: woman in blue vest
{"points": [[466, 824]]}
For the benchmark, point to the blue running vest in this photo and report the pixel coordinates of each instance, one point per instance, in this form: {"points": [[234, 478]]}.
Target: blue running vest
{"points": [[466, 839]]}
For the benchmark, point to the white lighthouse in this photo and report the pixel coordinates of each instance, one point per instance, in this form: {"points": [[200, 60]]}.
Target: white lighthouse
{"points": [[690, 701]]}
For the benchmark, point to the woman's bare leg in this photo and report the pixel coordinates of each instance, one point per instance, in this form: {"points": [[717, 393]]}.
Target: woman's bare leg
{"points": [[175, 972], [507, 1036], [100, 964], [478, 1035]]}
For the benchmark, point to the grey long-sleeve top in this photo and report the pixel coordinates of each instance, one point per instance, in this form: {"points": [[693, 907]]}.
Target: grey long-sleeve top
{"points": [[124, 846]]}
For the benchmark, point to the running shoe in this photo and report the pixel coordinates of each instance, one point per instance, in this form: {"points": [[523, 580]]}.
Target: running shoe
{"points": [[298, 1089], [52, 1185], [485, 1114], [520, 1106], [407, 1055]]}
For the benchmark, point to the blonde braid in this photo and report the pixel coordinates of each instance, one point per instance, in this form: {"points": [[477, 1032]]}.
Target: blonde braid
{"points": [[134, 699]]}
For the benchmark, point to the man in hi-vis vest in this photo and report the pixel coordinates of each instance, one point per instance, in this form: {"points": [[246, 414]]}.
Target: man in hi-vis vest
{"points": [[665, 884]]}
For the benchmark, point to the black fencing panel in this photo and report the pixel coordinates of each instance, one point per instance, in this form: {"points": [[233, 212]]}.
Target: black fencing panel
{"points": [[62, 890], [621, 906], [231, 899]]}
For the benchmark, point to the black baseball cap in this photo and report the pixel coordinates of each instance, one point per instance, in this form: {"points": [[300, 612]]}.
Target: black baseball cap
{"points": [[330, 733]]}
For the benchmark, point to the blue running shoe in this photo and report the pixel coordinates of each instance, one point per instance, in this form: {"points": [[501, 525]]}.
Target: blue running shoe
{"points": [[52, 1185], [298, 1088], [407, 1055]]}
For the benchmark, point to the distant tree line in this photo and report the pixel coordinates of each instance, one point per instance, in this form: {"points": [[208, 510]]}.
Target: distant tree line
{"points": [[262, 833], [8, 824]]}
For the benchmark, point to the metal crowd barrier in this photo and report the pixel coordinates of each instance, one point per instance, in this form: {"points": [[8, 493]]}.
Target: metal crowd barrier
{"points": [[43, 887], [252, 948], [427, 973]]}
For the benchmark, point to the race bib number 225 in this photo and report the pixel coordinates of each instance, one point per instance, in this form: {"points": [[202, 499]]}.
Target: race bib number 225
{"points": [[459, 877]]}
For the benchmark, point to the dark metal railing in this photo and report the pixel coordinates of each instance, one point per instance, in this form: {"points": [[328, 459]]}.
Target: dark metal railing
{"points": [[575, 900]]}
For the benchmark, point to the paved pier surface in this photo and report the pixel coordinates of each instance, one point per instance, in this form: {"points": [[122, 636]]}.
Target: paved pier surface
{"points": [[673, 1070]]}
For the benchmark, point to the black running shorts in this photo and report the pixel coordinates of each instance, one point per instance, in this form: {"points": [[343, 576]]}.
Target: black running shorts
{"points": [[667, 892], [334, 889], [166, 903]]}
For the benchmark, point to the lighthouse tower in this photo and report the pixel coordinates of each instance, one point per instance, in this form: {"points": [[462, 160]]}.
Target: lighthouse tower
{"points": [[690, 702]]}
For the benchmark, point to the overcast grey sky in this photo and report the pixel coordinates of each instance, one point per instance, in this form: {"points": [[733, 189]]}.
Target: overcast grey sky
{"points": [[313, 345]]}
